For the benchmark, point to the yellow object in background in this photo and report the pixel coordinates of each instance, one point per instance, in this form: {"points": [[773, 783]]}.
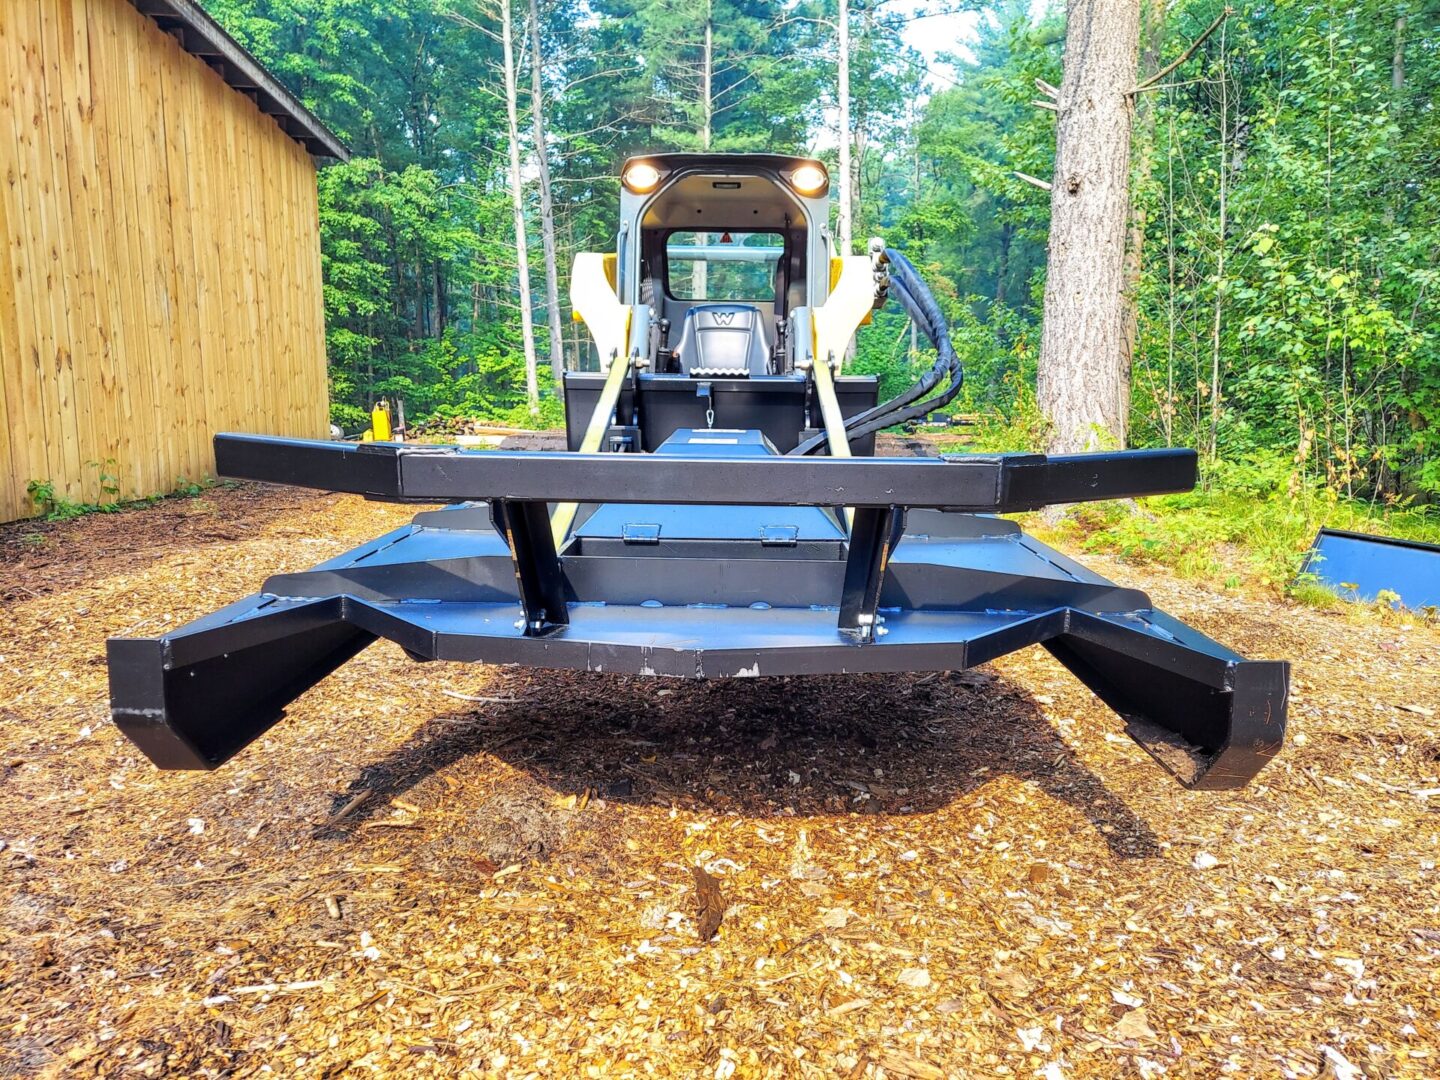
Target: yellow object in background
{"points": [[848, 307], [592, 295], [380, 422]]}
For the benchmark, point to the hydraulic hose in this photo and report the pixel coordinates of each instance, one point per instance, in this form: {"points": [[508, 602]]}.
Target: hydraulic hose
{"points": [[919, 303]]}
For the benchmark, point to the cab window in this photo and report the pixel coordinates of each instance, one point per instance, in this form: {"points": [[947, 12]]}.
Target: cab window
{"points": [[724, 266]]}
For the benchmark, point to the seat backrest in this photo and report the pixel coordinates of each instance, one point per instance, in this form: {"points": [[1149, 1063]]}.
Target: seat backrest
{"points": [[723, 339]]}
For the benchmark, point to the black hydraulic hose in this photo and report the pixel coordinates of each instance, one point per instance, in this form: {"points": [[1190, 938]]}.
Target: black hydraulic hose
{"points": [[915, 296], [928, 381], [920, 305]]}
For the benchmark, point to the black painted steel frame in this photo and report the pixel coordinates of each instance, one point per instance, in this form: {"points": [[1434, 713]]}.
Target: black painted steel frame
{"points": [[919, 583], [974, 483]]}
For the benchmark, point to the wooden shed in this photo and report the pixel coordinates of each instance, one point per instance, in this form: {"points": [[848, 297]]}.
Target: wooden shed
{"points": [[160, 267]]}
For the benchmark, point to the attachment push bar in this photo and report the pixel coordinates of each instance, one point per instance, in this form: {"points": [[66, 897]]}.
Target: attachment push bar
{"points": [[971, 483]]}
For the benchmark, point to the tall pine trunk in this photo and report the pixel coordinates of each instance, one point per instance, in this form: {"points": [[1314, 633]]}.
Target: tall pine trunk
{"points": [[845, 224], [700, 269], [1221, 230], [1143, 138], [547, 202], [707, 81], [1081, 378], [517, 201]]}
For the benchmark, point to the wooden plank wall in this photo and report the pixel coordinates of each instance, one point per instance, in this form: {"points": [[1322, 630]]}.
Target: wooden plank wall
{"points": [[159, 259]]}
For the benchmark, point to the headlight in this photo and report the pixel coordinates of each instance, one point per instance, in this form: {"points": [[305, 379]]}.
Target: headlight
{"points": [[809, 179], [641, 177]]}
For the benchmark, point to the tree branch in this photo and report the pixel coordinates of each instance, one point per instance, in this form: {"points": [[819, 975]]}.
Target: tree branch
{"points": [[1146, 84], [1033, 180]]}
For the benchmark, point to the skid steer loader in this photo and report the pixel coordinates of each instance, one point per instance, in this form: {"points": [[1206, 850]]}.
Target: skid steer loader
{"points": [[720, 512]]}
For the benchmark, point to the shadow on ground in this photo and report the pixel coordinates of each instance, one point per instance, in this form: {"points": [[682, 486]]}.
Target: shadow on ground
{"points": [[808, 746]]}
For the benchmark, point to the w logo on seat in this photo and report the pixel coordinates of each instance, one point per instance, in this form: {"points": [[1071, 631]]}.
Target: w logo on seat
{"points": [[724, 318]]}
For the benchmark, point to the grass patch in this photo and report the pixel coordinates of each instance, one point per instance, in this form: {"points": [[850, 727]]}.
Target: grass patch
{"points": [[1246, 524]]}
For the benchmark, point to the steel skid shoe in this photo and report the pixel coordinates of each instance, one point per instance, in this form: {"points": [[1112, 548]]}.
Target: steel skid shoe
{"points": [[666, 575]]}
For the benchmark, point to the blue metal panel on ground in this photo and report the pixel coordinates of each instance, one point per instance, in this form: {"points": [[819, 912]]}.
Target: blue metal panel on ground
{"points": [[1361, 567]]}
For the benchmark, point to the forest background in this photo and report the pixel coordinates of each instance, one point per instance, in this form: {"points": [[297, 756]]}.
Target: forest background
{"points": [[1284, 221]]}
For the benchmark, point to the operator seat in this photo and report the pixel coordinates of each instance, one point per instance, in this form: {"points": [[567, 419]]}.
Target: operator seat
{"points": [[723, 340]]}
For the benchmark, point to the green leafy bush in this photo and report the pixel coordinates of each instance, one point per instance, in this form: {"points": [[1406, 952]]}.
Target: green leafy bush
{"points": [[1258, 514]]}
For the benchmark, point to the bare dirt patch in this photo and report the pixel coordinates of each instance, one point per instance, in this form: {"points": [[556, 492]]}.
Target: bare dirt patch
{"points": [[968, 874]]}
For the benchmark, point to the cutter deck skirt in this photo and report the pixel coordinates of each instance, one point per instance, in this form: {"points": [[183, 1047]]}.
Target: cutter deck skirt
{"points": [[695, 591]]}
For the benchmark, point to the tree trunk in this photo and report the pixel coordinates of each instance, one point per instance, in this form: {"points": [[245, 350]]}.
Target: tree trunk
{"points": [[1143, 140], [860, 148], [578, 348], [1397, 62], [1080, 379], [700, 269], [707, 106], [517, 202], [1222, 229], [437, 301], [844, 224], [1002, 270], [547, 202]]}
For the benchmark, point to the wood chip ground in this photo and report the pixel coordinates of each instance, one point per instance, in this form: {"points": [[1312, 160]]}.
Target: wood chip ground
{"points": [[955, 875]]}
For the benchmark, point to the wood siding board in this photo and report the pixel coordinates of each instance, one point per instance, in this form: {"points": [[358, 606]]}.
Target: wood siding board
{"points": [[218, 414], [85, 253], [126, 400], [242, 177], [270, 299], [25, 429], [313, 356], [220, 217], [292, 357], [10, 481], [298, 358], [150, 163], [192, 443], [159, 258], [281, 242], [63, 260], [139, 358], [33, 301]]}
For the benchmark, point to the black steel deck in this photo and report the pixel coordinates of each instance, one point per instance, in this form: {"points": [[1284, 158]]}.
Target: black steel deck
{"points": [[780, 587]]}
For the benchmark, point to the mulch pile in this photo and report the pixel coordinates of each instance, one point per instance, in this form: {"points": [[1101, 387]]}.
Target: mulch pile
{"points": [[450, 870]]}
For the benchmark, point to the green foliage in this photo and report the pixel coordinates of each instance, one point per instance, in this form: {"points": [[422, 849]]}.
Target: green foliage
{"points": [[351, 419], [55, 507], [42, 494], [1327, 305], [1319, 296], [1252, 519]]}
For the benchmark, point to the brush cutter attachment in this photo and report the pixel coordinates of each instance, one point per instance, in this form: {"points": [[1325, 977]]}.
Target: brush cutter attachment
{"points": [[700, 587], [710, 520]]}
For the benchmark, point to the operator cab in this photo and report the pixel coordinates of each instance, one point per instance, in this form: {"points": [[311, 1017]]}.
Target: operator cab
{"points": [[723, 254], [724, 258]]}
